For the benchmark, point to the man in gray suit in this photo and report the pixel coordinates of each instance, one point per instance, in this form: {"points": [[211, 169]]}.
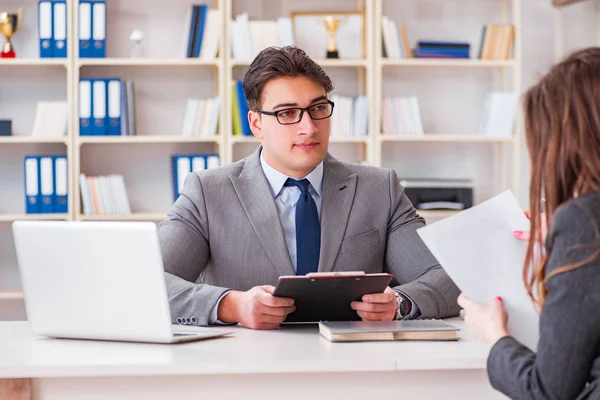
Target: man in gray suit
{"points": [[291, 208]]}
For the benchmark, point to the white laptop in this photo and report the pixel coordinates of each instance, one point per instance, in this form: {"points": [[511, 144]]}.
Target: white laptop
{"points": [[97, 280]]}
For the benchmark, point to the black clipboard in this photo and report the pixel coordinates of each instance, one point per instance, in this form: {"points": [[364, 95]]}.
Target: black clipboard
{"points": [[327, 296]]}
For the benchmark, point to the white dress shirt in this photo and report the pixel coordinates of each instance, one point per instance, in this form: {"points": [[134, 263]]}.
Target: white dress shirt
{"points": [[286, 198]]}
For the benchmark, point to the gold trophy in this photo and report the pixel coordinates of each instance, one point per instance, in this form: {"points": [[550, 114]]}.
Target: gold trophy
{"points": [[9, 25], [332, 24]]}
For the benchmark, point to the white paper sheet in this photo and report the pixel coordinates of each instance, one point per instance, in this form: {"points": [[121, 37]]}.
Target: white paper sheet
{"points": [[480, 254]]}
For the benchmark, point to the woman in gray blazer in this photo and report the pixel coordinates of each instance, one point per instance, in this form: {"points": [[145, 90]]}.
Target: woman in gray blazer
{"points": [[562, 124]]}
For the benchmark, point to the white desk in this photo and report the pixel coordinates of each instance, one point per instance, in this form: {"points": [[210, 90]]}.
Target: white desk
{"points": [[290, 363]]}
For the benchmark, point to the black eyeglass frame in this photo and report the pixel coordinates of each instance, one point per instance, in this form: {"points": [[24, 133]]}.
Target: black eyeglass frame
{"points": [[302, 111]]}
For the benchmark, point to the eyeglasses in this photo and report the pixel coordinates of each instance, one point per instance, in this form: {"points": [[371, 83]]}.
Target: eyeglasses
{"points": [[291, 116]]}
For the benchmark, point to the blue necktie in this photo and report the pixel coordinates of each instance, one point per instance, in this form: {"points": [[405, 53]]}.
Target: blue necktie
{"points": [[308, 229]]}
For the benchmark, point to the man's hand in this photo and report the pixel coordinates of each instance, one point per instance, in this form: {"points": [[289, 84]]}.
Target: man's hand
{"points": [[255, 309], [377, 307]]}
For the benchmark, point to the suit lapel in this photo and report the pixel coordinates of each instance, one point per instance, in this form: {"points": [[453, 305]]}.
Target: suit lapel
{"points": [[339, 186], [252, 188]]}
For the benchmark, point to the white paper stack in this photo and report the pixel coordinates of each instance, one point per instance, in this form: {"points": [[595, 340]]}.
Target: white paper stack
{"points": [[350, 116], [51, 118], [480, 254], [401, 115], [201, 117], [499, 114]]}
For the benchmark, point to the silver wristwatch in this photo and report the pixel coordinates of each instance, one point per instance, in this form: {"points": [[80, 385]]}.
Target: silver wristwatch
{"points": [[402, 307]]}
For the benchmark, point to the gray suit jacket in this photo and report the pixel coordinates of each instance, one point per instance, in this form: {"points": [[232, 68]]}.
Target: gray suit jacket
{"points": [[224, 232], [567, 364]]}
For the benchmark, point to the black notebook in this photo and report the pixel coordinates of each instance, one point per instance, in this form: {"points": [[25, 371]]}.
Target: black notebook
{"points": [[327, 296]]}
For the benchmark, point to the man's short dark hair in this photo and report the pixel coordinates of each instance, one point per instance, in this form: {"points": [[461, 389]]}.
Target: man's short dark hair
{"points": [[279, 62]]}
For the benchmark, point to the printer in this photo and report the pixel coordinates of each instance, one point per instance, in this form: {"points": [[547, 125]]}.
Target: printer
{"points": [[439, 194]]}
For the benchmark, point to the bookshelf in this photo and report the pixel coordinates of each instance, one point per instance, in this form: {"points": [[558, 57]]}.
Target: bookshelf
{"points": [[450, 148], [441, 111]]}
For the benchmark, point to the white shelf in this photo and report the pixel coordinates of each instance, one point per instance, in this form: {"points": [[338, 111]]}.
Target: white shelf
{"points": [[33, 217], [127, 217], [324, 62], [443, 137], [148, 62], [33, 62], [11, 296], [32, 140], [443, 62], [146, 139], [332, 139], [436, 214]]}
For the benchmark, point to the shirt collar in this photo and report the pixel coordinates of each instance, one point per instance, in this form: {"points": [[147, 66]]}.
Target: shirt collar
{"points": [[277, 179]]}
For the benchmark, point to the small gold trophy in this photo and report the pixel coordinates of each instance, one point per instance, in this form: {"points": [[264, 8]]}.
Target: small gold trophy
{"points": [[332, 24], [9, 25]]}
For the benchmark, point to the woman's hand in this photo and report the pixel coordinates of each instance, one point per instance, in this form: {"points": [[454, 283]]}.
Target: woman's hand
{"points": [[487, 321], [524, 235]]}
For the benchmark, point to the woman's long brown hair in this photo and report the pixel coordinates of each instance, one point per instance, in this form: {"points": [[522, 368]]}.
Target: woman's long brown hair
{"points": [[562, 131]]}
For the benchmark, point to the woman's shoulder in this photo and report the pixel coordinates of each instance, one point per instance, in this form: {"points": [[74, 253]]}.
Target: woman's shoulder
{"points": [[574, 232], [583, 213]]}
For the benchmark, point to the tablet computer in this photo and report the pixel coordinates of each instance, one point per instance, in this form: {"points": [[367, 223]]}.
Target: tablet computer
{"points": [[327, 296]]}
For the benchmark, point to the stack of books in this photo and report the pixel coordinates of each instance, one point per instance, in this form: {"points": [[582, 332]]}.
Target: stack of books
{"points": [[51, 118], [248, 38], [497, 42], [201, 117], [239, 108], [350, 116], [401, 115], [366, 331], [499, 114], [395, 41], [429, 49], [104, 195], [202, 32]]}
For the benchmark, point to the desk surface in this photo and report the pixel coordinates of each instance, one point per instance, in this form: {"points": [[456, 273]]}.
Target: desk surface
{"points": [[286, 350]]}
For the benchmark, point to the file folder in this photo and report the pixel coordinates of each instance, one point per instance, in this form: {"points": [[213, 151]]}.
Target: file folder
{"points": [[32, 188], [99, 107], [85, 107], [61, 179], [212, 161], [114, 107], [198, 163], [99, 29], [182, 166], [47, 184], [200, 26], [45, 22], [85, 29], [59, 28]]}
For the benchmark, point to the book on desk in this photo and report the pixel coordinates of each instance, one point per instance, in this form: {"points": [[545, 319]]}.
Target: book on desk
{"points": [[357, 331]]}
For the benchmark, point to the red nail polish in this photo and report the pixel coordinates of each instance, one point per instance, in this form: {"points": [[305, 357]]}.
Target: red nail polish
{"points": [[498, 298], [518, 233]]}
